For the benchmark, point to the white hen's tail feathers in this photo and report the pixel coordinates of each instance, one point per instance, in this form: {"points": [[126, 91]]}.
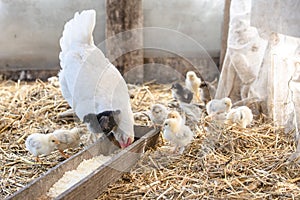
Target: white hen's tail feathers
{"points": [[78, 31]]}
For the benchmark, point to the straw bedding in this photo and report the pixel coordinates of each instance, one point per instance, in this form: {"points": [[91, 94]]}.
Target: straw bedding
{"points": [[221, 163]]}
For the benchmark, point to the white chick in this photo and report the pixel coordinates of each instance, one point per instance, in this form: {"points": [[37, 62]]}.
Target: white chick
{"points": [[242, 116], [54, 81], [68, 139], [158, 114], [217, 106], [39, 144], [178, 134], [220, 117], [192, 82]]}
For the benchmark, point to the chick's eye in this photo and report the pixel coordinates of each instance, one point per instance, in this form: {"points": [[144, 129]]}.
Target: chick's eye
{"points": [[53, 141]]}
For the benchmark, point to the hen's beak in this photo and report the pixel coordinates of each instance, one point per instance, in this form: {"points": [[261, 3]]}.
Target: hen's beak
{"points": [[127, 143]]}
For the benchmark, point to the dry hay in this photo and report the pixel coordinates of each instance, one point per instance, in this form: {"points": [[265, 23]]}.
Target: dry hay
{"points": [[226, 163], [243, 164], [27, 108]]}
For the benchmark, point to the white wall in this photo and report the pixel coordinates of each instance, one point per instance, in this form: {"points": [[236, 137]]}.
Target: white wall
{"points": [[30, 30], [199, 19]]}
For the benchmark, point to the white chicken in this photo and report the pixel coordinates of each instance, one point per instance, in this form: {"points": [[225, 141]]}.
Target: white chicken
{"points": [[217, 106], [192, 82], [242, 116], [89, 82], [68, 139], [41, 144], [158, 114], [178, 134]]}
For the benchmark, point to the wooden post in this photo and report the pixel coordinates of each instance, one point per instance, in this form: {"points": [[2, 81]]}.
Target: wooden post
{"points": [[124, 35], [225, 32]]}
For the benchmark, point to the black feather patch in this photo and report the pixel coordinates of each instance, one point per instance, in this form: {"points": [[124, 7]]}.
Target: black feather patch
{"points": [[182, 94], [108, 120], [102, 122]]}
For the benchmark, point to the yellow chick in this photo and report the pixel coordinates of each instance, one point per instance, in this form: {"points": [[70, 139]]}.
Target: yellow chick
{"points": [[158, 114], [68, 139], [178, 134], [39, 144], [242, 116], [217, 106], [176, 115], [192, 82]]}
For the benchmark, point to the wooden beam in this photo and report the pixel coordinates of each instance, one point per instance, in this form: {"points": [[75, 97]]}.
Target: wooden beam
{"points": [[225, 30], [124, 35]]}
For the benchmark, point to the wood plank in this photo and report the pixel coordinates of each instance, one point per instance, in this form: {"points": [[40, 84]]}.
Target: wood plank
{"points": [[124, 35], [108, 172], [225, 30]]}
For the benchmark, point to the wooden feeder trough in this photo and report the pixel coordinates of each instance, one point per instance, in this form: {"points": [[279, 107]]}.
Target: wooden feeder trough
{"points": [[95, 183]]}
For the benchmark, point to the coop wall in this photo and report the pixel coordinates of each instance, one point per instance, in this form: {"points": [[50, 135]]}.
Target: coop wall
{"points": [[31, 31]]}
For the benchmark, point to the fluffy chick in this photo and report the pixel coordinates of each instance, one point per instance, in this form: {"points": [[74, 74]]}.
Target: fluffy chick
{"points": [[207, 91], [192, 82], [41, 144], [192, 111], [181, 93], [176, 115], [158, 114], [68, 139], [242, 116], [217, 106], [178, 134], [104, 122]]}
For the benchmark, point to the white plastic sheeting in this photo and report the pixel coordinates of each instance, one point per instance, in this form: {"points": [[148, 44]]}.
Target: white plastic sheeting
{"points": [[262, 65], [243, 60]]}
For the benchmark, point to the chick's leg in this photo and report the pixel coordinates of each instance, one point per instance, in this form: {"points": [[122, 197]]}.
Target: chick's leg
{"points": [[63, 154], [92, 138], [175, 149], [181, 149], [198, 98], [37, 159]]}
